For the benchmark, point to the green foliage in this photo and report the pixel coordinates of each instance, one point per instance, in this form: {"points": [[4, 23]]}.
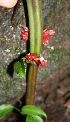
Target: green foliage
{"points": [[29, 119], [5, 109], [34, 118], [37, 119], [20, 68], [31, 111]]}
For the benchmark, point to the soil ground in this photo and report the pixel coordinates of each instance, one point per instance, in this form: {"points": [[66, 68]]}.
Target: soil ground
{"points": [[54, 96]]}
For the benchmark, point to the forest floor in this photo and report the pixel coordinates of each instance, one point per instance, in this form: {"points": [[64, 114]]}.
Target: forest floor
{"points": [[54, 96]]}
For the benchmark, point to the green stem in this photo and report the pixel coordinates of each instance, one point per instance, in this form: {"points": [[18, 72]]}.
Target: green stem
{"points": [[38, 25], [31, 25]]}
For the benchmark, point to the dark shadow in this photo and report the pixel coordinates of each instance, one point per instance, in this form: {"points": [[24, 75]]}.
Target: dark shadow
{"points": [[15, 10], [27, 22], [26, 12], [10, 70]]}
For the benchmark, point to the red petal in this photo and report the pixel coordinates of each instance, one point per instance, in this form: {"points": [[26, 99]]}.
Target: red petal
{"points": [[28, 56], [46, 39], [33, 55], [25, 29], [51, 32], [48, 32], [45, 42], [43, 61]]}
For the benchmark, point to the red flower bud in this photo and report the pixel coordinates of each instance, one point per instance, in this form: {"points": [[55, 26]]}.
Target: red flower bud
{"points": [[24, 34], [25, 29]]}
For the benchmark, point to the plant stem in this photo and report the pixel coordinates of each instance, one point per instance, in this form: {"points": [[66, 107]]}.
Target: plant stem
{"points": [[38, 25], [31, 84], [31, 25], [35, 28]]}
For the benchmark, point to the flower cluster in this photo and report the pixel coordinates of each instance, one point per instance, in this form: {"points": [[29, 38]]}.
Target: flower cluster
{"points": [[46, 35], [32, 56], [41, 60], [24, 33]]}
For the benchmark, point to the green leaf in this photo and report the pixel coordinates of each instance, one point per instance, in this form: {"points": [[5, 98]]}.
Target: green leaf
{"points": [[37, 118], [34, 118], [20, 68], [29, 119], [32, 110], [5, 109], [23, 59]]}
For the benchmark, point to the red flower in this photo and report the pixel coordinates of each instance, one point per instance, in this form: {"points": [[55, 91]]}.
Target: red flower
{"points": [[43, 61], [30, 56], [24, 34], [46, 35], [46, 39], [48, 32]]}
